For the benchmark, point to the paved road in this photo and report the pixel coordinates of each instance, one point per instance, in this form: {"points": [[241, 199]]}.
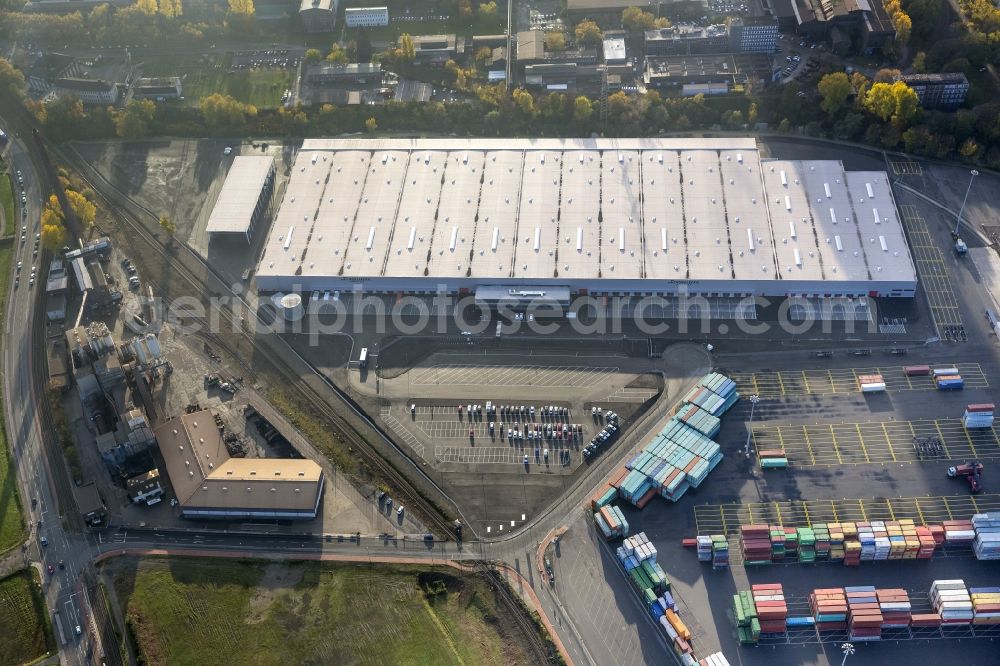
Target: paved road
{"points": [[63, 589]]}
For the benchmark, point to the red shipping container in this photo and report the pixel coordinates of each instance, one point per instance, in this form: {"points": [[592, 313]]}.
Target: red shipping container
{"points": [[916, 370], [682, 644], [644, 500], [618, 477], [980, 407], [766, 586], [831, 626], [689, 543]]}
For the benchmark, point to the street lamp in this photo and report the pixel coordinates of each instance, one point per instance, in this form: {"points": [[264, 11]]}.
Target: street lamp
{"points": [[754, 399], [848, 650], [958, 220]]}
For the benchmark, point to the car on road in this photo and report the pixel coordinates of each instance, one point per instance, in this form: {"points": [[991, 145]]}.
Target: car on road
{"points": [[20, 265], [466, 332], [62, 564], [228, 150], [79, 630], [31, 281], [51, 569], [44, 541]]}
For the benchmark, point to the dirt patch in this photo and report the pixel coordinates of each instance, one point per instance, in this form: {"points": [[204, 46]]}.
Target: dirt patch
{"points": [[277, 579]]}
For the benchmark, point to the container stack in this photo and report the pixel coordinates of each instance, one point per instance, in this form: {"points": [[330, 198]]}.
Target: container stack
{"points": [[704, 548], [923, 620], [896, 608], [720, 551], [604, 496], [611, 522], [987, 542], [926, 543], [978, 416], [722, 386], [714, 659], [864, 617], [699, 419], [777, 542], [958, 532], [710, 401], [985, 605], [807, 544], [755, 544], [871, 383], [677, 631], [772, 611], [948, 379], [829, 608], [772, 459], [747, 622], [952, 601]]}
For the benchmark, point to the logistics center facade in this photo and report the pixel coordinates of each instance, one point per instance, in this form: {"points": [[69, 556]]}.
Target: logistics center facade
{"points": [[591, 216]]}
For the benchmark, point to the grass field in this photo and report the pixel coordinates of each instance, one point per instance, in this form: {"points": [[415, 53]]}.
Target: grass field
{"points": [[204, 75], [7, 201], [11, 523], [201, 611], [25, 632]]}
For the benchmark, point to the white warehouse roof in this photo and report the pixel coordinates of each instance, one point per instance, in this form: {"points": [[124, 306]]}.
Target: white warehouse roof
{"points": [[234, 208], [418, 214]]}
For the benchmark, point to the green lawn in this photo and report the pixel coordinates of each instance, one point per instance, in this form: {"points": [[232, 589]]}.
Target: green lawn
{"points": [[7, 200], [24, 621], [204, 75], [201, 611], [11, 522]]}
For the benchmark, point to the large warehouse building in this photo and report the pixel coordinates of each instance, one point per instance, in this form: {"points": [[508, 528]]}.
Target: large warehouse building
{"points": [[583, 216], [209, 483], [244, 198]]}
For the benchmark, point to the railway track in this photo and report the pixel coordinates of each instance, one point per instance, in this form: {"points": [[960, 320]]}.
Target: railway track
{"points": [[517, 610], [128, 213]]}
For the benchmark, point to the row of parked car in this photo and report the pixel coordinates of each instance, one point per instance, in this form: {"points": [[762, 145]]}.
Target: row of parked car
{"points": [[606, 436]]}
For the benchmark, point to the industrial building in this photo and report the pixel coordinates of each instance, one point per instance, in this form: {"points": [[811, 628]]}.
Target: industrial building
{"points": [[585, 216], [366, 17], [159, 88], [208, 483], [945, 91], [245, 197], [318, 15], [741, 35], [705, 74]]}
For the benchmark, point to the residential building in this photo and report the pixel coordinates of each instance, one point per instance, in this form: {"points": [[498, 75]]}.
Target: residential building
{"points": [[145, 488], [366, 17], [90, 504], [166, 87], [318, 15], [938, 91]]}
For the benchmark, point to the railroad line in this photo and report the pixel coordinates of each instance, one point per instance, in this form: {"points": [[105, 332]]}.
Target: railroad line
{"points": [[128, 213]]}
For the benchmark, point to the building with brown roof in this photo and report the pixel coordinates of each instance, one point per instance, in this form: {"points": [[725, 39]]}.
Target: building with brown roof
{"points": [[208, 483]]}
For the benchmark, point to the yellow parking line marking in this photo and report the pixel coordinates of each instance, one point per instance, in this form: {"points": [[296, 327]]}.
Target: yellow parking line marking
{"points": [[864, 514], [944, 445], [805, 509], [805, 433], [777, 510], [836, 449], [920, 511], [861, 439], [968, 437], [781, 383], [836, 516], [947, 508], [888, 442]]}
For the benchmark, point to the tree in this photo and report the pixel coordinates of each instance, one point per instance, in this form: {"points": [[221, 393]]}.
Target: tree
{"points": [[488, 10], [133, 122], [465, 11], [220, 110], [371, 125], [752, 114], [524, 101], [896, 102], [312, 56], [484, 55], [168, 225], [635, 19], [170, 8], [662, 23], [588, 33], [338, 54], [969, 148], [904, 26], [555, 41], [582, 109], [406, 50], [242, 7], [920, 62], [146, 7], [886, 75], [83, 208], [11, 79], [54, 234], [834, 89]]}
